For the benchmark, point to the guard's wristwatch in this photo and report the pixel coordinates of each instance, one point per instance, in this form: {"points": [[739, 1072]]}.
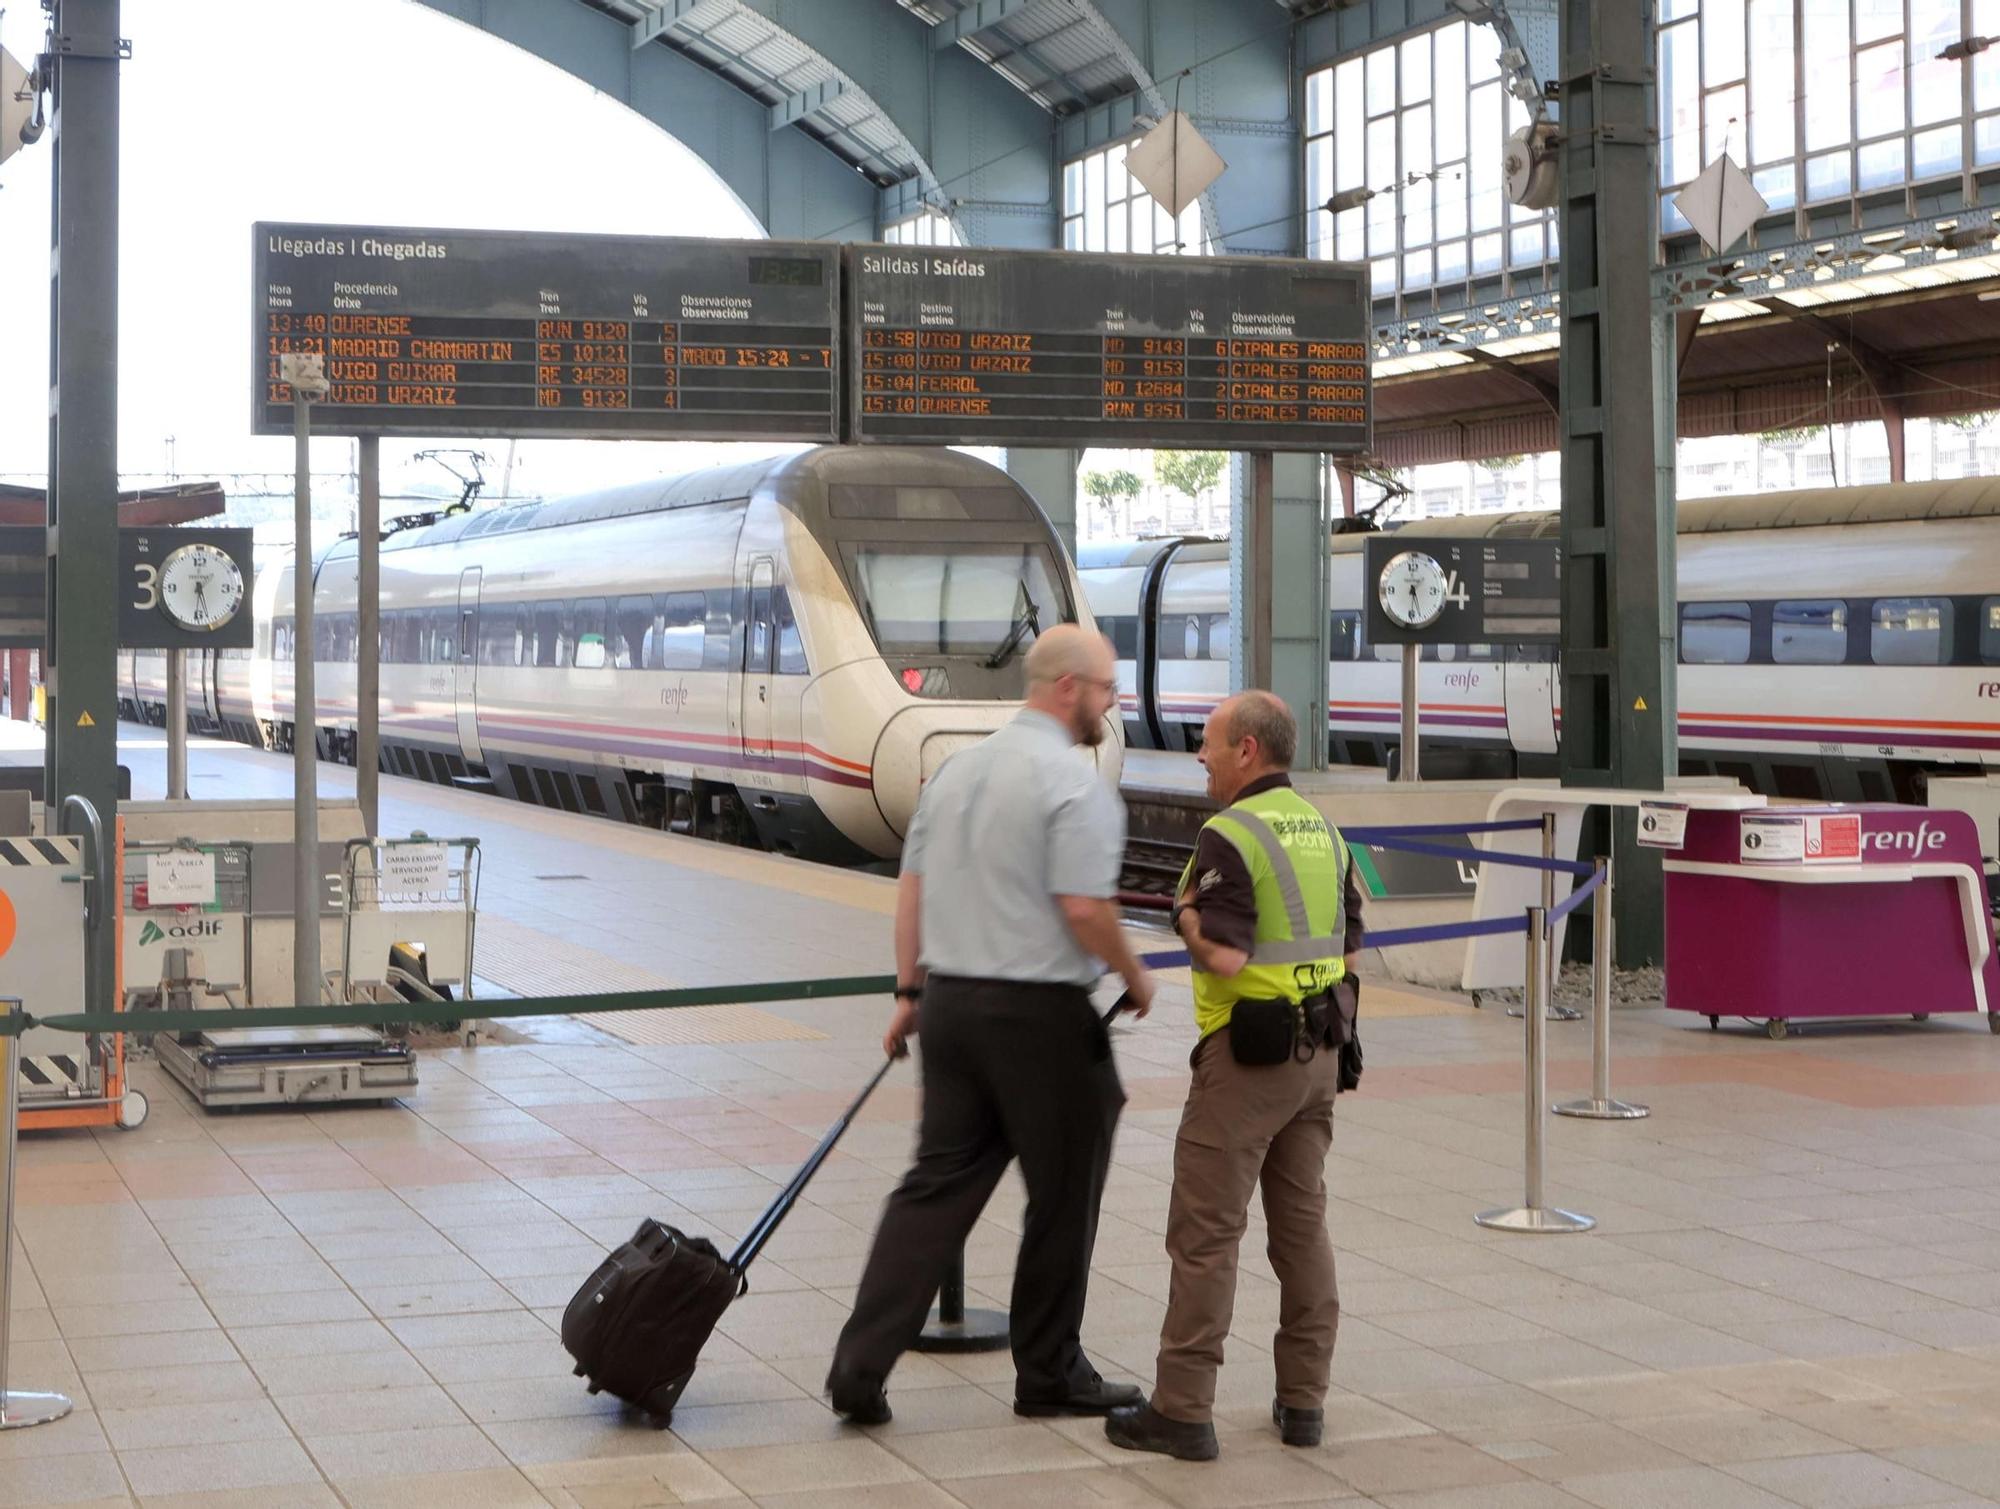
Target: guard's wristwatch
{"points": [[909, 992]]}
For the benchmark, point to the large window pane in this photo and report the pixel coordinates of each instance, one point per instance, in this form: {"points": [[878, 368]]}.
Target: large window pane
{"points": [[1910, 631], [1878, 79], [1485, 254], [1680, 103], [1773, 47], [1488, 196], [1381, 81], [1350, 238], [1381, 173], [1937, 152], [1828, 67], [1879, 166], [1934, 81], [1986, 66], [1417, 69], [1873, 19], [1093, 202], [1779, 186], [1319, 188], [1722, 41], [1986, 140], [1448, 99], [1809, 633], [1722, 115], [1451, 197], [1319, 102], [1829, 177]]}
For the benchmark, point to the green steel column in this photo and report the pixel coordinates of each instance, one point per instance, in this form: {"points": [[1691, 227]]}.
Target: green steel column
{"points": [[1050, 476], [80, 668], [1277, 588], [1617, 527]]}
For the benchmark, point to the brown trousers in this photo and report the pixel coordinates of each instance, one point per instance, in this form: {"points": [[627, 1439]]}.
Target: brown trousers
{"points": [[1244, 1127]]}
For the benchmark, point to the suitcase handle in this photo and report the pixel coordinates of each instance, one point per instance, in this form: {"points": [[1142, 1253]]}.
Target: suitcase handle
{"points": [[767, 1224]]}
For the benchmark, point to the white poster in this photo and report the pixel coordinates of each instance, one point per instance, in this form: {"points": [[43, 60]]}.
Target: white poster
{"points": [[410, 870], [1763, 839], [1662, 825], [180, 877]]}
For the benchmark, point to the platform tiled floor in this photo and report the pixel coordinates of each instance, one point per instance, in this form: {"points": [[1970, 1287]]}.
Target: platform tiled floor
{"points": [[1788, 1300]]}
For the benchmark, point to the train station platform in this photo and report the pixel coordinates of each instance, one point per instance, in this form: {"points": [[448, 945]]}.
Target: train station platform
{"points": [[1787, 1301]]}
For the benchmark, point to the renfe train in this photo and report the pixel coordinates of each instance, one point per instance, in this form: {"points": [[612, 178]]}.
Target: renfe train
{"points": [[1838, 643], [779, 652]]}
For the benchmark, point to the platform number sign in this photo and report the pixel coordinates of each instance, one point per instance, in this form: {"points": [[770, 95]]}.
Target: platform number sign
{"points": [[1437, 589], [185, 588]]}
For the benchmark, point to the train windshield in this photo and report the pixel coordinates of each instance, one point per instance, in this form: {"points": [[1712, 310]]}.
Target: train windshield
{"points": [[962, 599]]}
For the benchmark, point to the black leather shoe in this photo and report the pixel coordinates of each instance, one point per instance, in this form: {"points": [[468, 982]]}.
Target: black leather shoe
{"points": [[1095, 1398], [1140, 1428], [1298, 1427], [859, 1401]]}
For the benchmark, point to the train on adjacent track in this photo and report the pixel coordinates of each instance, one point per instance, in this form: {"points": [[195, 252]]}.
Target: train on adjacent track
{"points": [[778, 652], [1840, 643], [781, 652]]}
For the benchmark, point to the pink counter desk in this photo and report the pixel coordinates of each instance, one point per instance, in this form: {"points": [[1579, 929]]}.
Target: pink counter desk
{"points": [[1867, 910]]}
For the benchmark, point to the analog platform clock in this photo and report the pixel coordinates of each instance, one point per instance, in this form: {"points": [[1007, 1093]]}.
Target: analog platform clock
{"points": [[200, 587], [1412, 588]]}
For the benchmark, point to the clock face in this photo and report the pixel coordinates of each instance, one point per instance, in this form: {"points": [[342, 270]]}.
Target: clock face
{"points": [[1412, 589], [200, 587]]}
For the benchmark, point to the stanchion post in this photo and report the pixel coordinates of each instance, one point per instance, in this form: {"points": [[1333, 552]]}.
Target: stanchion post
{"points": [[18, 1407], [953, 1328], [1560, 1013], [1600, 1106], [1533, 1215]]}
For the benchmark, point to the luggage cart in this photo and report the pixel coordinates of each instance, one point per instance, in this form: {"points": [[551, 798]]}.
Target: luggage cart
{"points": [[412, 911]]}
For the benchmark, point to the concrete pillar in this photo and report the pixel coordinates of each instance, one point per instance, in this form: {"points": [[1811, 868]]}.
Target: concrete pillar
{"points": [[1050, 477], [1277, 588]]}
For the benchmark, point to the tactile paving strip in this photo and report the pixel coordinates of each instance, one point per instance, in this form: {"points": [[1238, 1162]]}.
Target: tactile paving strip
{"points": [[534, 963]]}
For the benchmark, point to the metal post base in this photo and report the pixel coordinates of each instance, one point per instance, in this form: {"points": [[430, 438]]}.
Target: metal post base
{"points": [[979, 1331], [1556, 1013], [1529, 1218], [1602, 1110], [24, 1407]]}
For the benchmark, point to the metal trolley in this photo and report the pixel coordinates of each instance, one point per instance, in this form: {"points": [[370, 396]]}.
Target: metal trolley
{"points": [[411, 914]]}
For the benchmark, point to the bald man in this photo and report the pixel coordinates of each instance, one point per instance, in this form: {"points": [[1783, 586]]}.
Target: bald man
{"points": [[1004, 911]]}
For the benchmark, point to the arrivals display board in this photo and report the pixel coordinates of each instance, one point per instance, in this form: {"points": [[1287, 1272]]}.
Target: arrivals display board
{"points": [[949, 346], [441, 332]]}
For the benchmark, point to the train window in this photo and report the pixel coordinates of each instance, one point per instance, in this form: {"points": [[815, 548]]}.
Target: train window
{"points": [[961, 598], [281, 639], [1809, 633], [444, 636], [791, 648], [587, 630], [1989, 631], [1715, 633], [1122, 629], [549, 641], [499, 636], [1218, 636], [757, 657], [410, 636], [676, 643], [718, 644], [1191, 638], [631, 625], [1910, 631], [1344, 636]]}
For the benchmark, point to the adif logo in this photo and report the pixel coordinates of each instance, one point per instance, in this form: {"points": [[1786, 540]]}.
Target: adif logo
{"points": [[152, 932], [1916, 843]]}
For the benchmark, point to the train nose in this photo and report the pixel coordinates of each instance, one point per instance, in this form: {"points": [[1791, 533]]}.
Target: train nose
{"points": [[917, 741]]}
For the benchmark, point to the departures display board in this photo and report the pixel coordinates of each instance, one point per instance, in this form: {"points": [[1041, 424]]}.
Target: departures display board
{"points": [[947, 346], [436, 332]]}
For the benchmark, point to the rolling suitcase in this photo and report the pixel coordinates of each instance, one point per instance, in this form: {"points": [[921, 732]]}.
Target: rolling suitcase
{"points": [[637, 1326]]}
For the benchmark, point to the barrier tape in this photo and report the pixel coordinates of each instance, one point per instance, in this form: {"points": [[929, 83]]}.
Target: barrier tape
{"points": [[435, 1012], [1410, 830], [1576, 897], [1481, 856]]}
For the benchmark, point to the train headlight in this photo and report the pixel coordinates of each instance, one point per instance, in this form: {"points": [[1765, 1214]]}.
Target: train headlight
{"points": [[925, 681]]}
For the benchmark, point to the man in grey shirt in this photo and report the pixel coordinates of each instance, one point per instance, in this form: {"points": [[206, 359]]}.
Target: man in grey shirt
{"points": [[1005, 907]]}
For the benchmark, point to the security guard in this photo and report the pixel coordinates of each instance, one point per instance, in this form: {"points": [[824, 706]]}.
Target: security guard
{"points": [[1271, 915]]}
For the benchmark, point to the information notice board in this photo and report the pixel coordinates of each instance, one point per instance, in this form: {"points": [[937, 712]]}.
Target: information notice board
{"points": [[438, 332], [966, 347]]}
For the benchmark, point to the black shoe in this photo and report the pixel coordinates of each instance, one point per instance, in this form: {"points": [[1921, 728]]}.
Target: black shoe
{"points": [[1298, 1427], [1095, 1398], [1140, 1428], [860, 1401]]}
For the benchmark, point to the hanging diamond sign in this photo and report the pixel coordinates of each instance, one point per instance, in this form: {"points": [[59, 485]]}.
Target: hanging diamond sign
{"points": [[1721, 204]]}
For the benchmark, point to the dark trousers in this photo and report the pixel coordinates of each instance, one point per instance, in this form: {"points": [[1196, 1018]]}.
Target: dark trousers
{"points": [[1010, 1070]]}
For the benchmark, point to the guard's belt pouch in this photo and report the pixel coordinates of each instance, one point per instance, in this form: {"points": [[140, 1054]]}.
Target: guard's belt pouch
{"points": [[1262, 1032]]}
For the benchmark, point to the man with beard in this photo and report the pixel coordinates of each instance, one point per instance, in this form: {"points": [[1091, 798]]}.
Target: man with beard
{"points": [[1003, 912]]}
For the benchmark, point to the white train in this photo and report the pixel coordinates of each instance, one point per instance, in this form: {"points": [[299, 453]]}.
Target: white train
{"points": [[785, 648], [1836, 643]]}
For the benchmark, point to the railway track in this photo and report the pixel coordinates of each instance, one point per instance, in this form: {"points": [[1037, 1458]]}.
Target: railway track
{"points": [[1151, 869]]}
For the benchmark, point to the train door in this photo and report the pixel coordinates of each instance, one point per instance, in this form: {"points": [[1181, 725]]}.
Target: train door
{"points": [[760, 649], [1529, 676], [465, 671]]}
